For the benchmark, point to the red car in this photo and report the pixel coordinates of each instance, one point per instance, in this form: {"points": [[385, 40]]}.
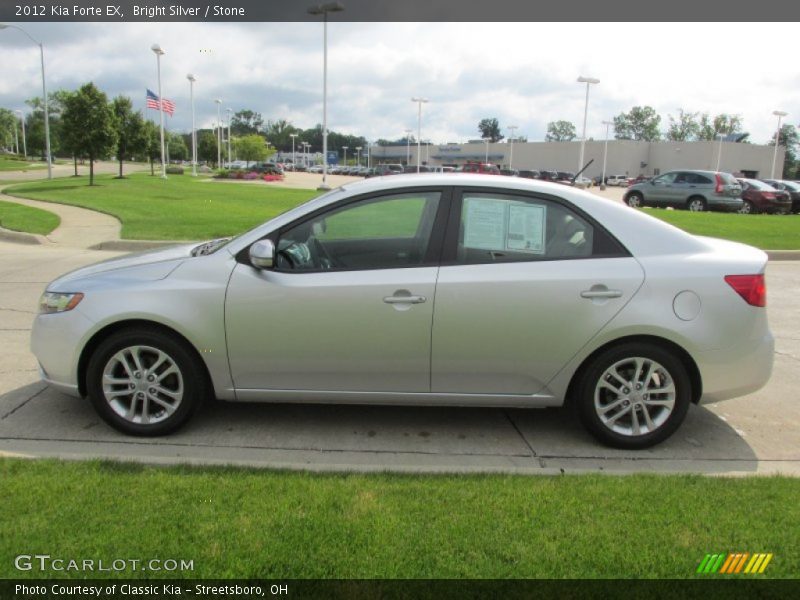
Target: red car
{"points": [[762, 197]]}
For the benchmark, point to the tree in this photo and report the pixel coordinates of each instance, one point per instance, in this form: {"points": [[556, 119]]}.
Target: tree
{"points": [[684, 128], [641, 123], [789, 139], [207, 146], [245, 122], [130, 130], [279, 134], [8, 121], [490, 128], [152, 144], [251, 148], [560, 131], [88, 122], [177, 147], [723, 123]]}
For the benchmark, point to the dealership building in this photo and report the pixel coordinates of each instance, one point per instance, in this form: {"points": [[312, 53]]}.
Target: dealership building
{"points": [[624, 157]]}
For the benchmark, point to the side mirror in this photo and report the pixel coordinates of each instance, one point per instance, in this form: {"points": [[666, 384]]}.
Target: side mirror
{"points": [[262, 254]]}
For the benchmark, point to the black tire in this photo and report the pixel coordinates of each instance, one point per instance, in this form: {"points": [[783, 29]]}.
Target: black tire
{"points": [[748, 208], [696, 204], [189, 377], [634, 200], [594, 397]]}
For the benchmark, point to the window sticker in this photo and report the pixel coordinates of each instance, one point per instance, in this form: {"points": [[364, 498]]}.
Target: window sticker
{"points": [[500, 225]]}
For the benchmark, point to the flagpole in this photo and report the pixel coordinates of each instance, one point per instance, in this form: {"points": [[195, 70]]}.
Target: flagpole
{"points": [[158, 51]]}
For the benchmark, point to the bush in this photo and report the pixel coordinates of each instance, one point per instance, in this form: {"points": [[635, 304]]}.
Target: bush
{"points": [[273, 177], [174, 170], [221, 174], [251, 175]]}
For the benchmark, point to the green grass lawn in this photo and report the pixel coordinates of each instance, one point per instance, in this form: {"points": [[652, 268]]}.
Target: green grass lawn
{"points": [[257, 523], [25, 218], [13, 164], [768, 232], [180, 208]]}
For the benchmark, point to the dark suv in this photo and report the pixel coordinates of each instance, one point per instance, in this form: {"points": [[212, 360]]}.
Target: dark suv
{"points": [[692, 190]]}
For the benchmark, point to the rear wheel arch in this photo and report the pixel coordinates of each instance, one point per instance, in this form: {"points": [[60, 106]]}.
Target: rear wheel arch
{"points": [[134, 324], [682, 355]]}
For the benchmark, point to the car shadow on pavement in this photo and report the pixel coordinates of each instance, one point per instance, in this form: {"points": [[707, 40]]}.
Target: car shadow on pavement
{"points": [[41, 421]]}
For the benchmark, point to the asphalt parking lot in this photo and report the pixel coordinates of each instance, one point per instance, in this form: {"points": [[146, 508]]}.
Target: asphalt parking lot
{"points": [[759, 433]]}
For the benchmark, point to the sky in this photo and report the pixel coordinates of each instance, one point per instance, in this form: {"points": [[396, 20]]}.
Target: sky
{"points": [[523, 74]]}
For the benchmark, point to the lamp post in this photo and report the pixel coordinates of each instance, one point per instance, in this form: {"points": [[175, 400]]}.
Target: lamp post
{"points": [[358, 156], [368, 155], [192, 79], [780, 114], [408, 146], [324, 9], [513, 128], [486, 141], [588, 81], [230, 110], [24, 138], [720, 137], [16, 138], [294, 158], [345, 154], [219, 135], [608, 124], [44, 98], [420, 101], [159, 52]]}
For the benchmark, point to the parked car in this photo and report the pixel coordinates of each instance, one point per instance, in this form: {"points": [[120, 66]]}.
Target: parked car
{"points": [[480, 167], [530, 297], [545, 175], [529, 173], [582, 182], [761, 197], [617, 180], [509, 172], [790, 187], [565, 177], [693, 190]]}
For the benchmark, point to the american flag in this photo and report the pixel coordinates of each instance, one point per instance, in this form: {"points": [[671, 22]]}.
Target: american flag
{"points": [[153, 102]]}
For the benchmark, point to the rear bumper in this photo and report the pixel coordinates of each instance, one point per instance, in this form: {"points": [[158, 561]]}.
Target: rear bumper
{"points": [[736, 371], [724, 203]]}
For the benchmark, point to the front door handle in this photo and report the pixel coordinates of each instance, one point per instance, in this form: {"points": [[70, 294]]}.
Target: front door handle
{"points": [[404, 297]]}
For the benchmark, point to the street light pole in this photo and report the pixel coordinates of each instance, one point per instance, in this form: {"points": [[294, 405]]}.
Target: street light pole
{"points": [[44, 97], [324, 9], [420, 101], [294, 158], [588, 81], [780, 114], [192, 79], [16, 138], [24, 138], [486, 141], [159, 52], [358, 156], [721, 137], [345, 154], [513, 128], [230, 110], [219, 135], [608, 124], [408, 146]]}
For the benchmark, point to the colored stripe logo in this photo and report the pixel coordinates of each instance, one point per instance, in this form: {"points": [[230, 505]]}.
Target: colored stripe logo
{"points": [[734, 562]]}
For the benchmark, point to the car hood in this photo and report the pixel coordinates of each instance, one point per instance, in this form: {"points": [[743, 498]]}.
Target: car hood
{"points": [[143, 266]]}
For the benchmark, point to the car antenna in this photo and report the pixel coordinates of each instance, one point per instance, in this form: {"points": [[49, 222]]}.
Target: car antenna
{"points": [[578, 174]]}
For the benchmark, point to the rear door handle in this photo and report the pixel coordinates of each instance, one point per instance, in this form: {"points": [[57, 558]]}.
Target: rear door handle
{"points": [[601, 293], [409, 299]]}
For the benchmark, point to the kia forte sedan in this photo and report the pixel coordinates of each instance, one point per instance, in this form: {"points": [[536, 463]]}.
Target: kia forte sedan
{"points": [[459, 290]]}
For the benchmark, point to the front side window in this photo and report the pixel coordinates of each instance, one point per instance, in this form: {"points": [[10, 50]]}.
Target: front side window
{"points": [[666, 178], [375, 233]]}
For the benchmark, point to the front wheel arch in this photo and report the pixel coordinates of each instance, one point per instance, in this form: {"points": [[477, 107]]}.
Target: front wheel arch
{"points": [[683, 356], [108, 330]]}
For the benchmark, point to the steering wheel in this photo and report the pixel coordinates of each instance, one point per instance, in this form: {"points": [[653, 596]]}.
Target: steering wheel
{"points": [[322, 259]]}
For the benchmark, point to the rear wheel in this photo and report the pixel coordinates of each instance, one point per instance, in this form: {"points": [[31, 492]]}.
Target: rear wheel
{"points": [[145, 382], [634, 200], [696, 204], [634, 395]]}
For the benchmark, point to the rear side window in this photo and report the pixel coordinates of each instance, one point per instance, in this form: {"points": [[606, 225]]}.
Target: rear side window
{"points": [[697, 178], [728, 179], [508, 228]]}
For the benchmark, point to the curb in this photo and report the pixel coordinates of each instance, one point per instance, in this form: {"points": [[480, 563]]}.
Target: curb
{"points": [[783, 254], [136, 245], [20, 237]]}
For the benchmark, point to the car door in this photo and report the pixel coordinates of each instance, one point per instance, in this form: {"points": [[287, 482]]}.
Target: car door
{"points": [[525, 282], [349, 303], [659, 190]]}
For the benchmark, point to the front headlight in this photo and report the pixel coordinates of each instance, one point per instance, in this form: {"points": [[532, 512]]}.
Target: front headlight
{"points": [[55, 302]]}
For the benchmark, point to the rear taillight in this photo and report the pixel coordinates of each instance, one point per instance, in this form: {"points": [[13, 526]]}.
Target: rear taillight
{"points": [[720, 184], [752, 288], [769, 196]]}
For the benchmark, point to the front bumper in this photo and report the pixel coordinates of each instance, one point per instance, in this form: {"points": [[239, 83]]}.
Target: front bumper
{"points": [[56, 341]]}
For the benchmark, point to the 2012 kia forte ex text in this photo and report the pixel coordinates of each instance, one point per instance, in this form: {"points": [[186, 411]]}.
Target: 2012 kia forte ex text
{"points": [[467, 290]]}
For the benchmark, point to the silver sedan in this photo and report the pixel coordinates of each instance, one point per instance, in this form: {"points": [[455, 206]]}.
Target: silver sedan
{"points": [[464, 290]]}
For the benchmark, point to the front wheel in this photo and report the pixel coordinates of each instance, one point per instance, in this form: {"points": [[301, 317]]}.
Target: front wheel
{"points": [[634, 395], [145, 382], [634, 200]]}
